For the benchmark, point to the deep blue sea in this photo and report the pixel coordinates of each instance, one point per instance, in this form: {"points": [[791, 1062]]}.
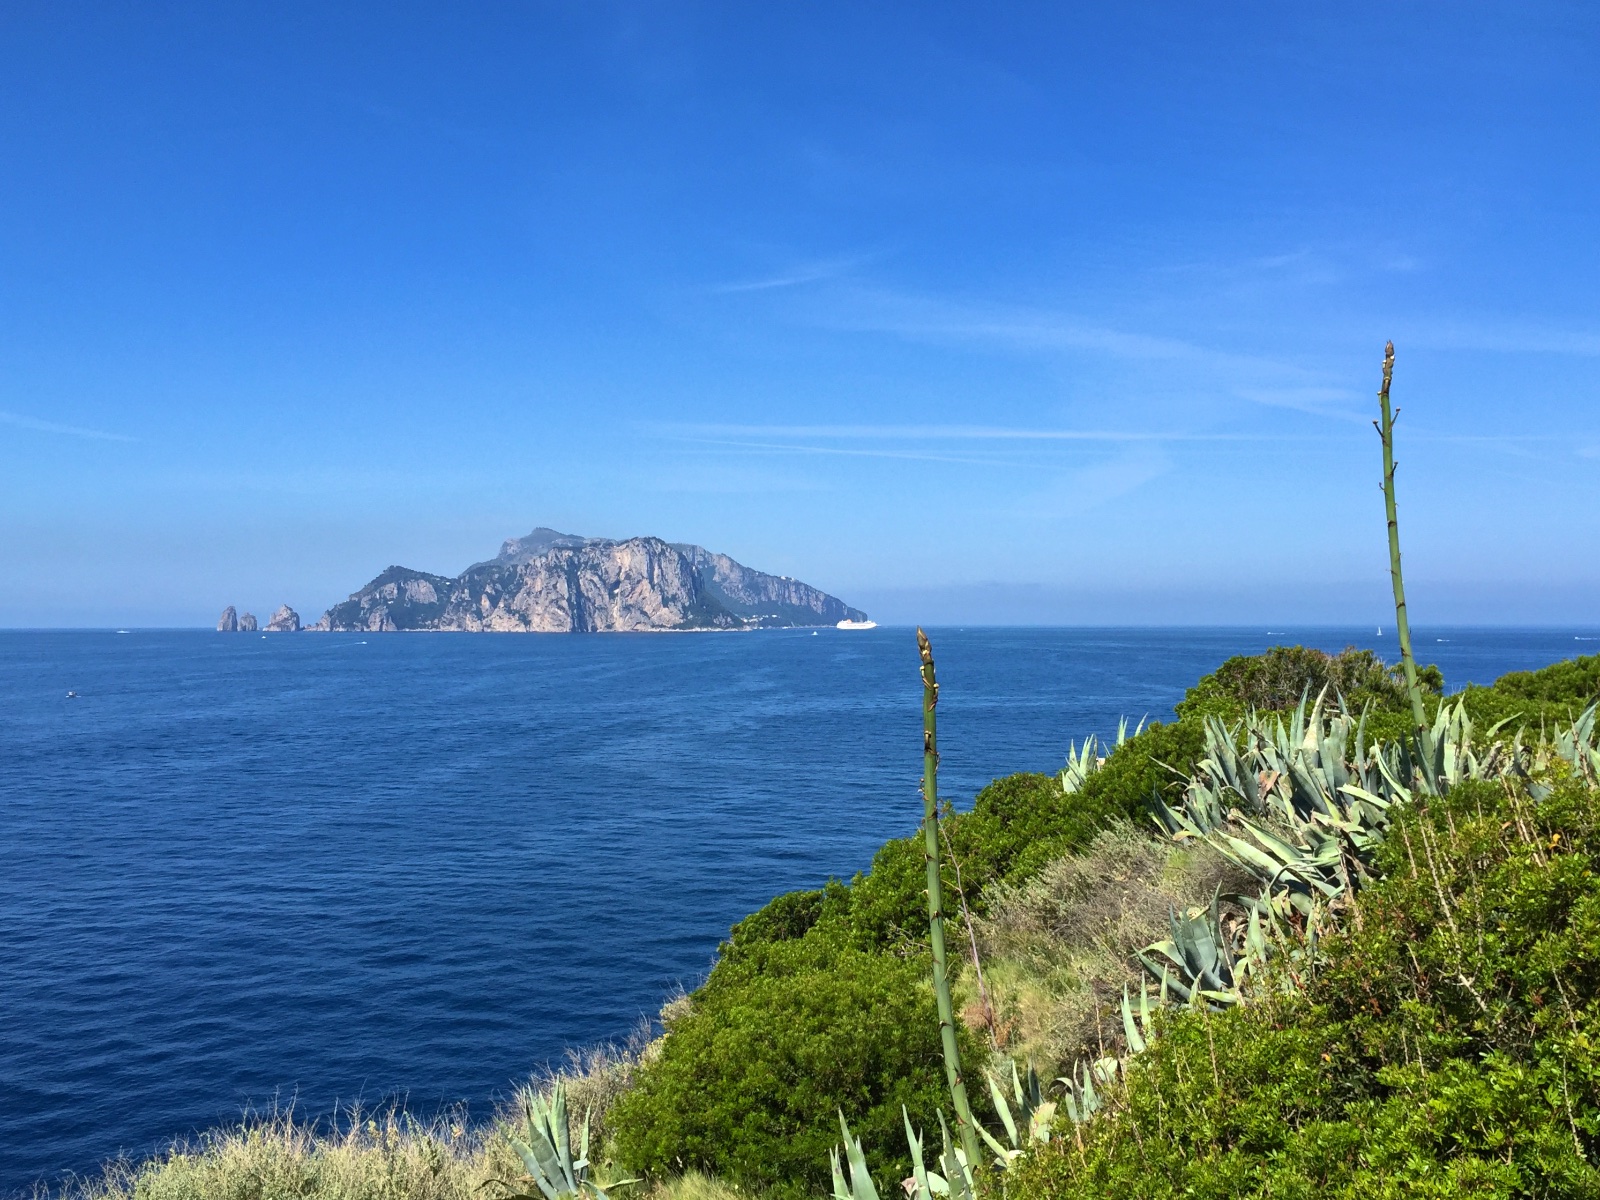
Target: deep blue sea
{"points": [[238, 870]]}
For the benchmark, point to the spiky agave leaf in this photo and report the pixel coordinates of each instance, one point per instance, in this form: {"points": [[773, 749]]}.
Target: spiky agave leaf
{"points": [[1080, 765], [923, 1184], [1026, 1114], [1080, 1096], [1137, 1032], [957, 1170], [1578, 744], [546, 1151], [859, 1185]]}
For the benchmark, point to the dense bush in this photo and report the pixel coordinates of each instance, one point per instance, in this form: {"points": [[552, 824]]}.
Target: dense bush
{"points": [[1556, 693], [1449, 1045], [781, 919], [1158, 759], [1575, 682], [1281, 676], [749, 1082]]}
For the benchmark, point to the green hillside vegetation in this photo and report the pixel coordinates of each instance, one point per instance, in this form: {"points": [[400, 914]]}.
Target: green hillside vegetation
{"points": [[1431, 1032], [1448, 1044]]}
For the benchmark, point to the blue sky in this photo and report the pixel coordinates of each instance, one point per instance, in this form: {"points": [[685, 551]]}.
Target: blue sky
{"points": [[1065, 313]]}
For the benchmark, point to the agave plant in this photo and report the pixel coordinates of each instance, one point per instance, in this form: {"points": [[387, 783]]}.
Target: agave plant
{"points": [[1580, 744], [546, 1152], [1294, 811], [1028, 1124], [1080, 1097], [858, 1185], [853, 1181], [1082, 764], [1204, 962]]}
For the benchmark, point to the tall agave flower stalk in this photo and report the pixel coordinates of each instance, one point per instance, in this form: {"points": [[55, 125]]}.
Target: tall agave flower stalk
{"points": [[1402, 621], [930, 844]]}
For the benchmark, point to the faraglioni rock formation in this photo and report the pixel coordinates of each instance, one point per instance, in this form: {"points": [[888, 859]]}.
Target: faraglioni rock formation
{"points": [[285, 620], [551, 582]]}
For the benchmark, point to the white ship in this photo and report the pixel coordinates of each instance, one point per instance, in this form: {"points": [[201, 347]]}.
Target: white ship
{"points": [[856, 625]]}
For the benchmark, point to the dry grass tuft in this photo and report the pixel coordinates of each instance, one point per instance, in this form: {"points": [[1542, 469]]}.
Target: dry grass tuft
{"points": [[386, 1154], [381, 1156], [694, 1186], [1057, 950]]}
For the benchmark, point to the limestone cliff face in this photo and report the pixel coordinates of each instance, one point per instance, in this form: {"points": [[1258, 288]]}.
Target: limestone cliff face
{"points": [[550, 582]]}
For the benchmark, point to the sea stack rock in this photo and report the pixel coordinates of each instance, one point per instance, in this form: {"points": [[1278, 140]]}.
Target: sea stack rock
{"points": [[229, 621], [285, 620], [247, 622]]}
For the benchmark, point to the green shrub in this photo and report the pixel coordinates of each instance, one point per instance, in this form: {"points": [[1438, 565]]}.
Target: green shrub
{"points": [[781, 919], [1281, 676], [748, 1084], [1449, 1045], [1575, 681], [1556, 693], [1158, 759]]}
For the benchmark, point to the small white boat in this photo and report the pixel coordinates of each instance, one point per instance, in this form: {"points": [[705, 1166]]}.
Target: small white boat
{"points": [[856, 625]]}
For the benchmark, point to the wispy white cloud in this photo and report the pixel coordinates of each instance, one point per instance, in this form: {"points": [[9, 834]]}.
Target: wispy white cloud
{"points": [[959, 433], [812, 272], [1035, 330], [1319, 401], [33, 423], [836, 451]]}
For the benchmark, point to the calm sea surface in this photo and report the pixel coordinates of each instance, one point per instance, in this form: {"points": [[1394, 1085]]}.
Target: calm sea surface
{"points": [[240, 869]]}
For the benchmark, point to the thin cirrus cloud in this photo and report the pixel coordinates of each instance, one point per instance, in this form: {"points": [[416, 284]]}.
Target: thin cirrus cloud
{"points": [[1340, 403], [966, 445], [760, 447], [1035, 329], [24, 422], [814, 272], [924, 433]]}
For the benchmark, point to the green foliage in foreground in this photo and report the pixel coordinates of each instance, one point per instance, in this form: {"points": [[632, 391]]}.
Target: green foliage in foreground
{"points": [[748, 1083], [1283, 675], [1449, 1044], [1279, 678], [1551, 696], [1575, 682]]}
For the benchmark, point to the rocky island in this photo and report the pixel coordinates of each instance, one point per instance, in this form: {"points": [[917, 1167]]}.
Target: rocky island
{"points": [[550, 582]]}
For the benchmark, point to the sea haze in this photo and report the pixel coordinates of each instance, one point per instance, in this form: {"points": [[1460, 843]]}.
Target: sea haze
{"points": [[242, 870]]}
